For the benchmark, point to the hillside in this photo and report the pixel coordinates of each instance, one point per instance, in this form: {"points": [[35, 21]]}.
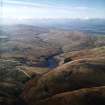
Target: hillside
{"points": [[74, 75], [87, 96], [38, 65], [97, 52], [23, 44]]}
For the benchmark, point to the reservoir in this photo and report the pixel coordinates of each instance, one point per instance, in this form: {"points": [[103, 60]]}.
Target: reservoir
{"points": [[51, 62]]}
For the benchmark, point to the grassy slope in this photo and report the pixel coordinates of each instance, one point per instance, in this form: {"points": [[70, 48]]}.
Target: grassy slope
{"points": [[87, 96], [87, 72]]}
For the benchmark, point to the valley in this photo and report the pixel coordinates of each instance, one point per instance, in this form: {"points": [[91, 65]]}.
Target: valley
{"points": [[42, 64]]}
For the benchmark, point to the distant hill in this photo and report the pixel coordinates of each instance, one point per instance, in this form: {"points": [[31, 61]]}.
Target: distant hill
{"points": [[92, 26], [24, 42]]}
